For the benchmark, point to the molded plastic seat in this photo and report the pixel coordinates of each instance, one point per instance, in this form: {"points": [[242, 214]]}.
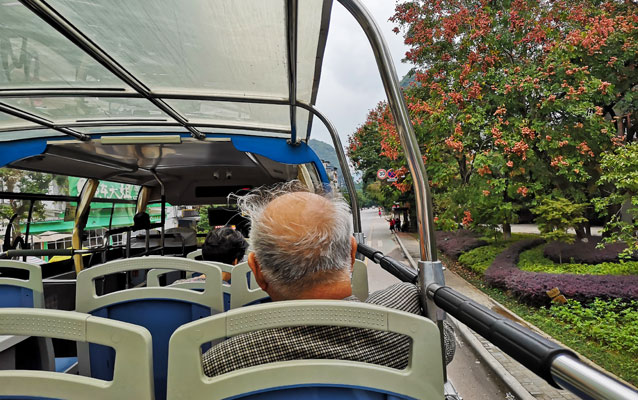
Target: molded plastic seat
{"points": [[132, 375], [29, 293], [238, 294], [330, 379], [159, 309], [194, 254], [360, 280], [16, 292]]}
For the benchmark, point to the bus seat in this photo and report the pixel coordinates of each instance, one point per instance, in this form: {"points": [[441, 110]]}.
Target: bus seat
{"points": [[360, 280], [243, 289], [153, 280], [316, 379], [133, 373], [194, 254], [29, 293], [159, 309], [17, 292]]}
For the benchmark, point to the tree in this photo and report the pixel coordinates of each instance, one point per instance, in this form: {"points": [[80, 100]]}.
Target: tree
{"points": [[620, 180], [510, 98], [556, 216], [14, 180]]}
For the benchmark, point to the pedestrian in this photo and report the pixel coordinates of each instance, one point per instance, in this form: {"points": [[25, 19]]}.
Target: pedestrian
{"points": [[392, 225], [379, 212], [397, 224]]}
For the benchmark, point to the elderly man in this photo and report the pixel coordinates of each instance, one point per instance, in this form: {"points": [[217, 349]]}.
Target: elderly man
{"points": [[303, 249]]}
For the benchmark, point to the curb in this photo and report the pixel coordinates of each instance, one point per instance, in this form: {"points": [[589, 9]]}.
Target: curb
{"points": [[467, 334]]}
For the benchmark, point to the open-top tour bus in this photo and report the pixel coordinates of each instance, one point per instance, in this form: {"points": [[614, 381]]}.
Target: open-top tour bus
{"points": [[185, 103]]}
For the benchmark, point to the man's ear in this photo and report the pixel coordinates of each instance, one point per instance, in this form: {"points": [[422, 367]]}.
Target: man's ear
{"points": [[353, 251], [256, 268]]}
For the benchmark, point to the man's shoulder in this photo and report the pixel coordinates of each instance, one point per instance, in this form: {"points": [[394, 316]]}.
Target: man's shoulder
{"points": [[401, 296]]}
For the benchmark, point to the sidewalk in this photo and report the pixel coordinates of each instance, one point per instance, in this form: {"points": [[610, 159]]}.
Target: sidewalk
{"points": [[524, 384]]}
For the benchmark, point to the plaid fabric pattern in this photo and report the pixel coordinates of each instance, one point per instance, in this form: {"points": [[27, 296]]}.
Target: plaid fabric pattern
{"points": [[320, 342]]}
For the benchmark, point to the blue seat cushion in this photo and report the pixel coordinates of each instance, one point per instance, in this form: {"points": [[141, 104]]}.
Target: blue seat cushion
{"points": [[161, 317], [320, 392], [64, 363], [15, 296]]}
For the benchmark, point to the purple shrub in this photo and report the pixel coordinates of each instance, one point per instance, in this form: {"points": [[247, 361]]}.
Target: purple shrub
{"points": [[530, 287], [455, 243], [583, 253]]}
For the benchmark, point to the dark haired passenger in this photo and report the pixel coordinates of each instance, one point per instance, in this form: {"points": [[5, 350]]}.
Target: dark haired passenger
{"points": [[225, 245]]}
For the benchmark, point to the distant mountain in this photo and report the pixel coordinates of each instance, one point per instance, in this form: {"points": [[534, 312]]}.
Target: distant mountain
{"points": [[326, 153]]}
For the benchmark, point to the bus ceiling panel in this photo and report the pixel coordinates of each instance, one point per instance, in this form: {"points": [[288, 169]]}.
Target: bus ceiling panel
{"points": [[205, 188], [61, 165], [34, 54]]}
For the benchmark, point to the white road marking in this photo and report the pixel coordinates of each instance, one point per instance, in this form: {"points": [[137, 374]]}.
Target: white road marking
{"points": [[379, 244]]}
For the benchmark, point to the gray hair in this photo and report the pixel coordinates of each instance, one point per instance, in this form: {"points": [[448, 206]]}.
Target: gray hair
{"points": [[318, 254]]}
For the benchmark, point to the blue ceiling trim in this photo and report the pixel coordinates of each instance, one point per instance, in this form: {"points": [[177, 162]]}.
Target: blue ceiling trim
{"points": [[13, 151]]}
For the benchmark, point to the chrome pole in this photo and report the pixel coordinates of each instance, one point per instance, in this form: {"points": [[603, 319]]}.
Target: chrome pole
{"points": [[587, 382], [404, 126], [343, 163]]}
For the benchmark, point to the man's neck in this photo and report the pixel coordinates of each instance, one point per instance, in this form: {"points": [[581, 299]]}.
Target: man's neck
{"points": [[333, 291]]}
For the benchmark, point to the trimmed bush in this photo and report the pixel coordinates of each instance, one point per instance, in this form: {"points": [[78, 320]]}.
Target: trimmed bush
{"points": [[584, 252], [455, 243], [533, 261], [530, 287]]}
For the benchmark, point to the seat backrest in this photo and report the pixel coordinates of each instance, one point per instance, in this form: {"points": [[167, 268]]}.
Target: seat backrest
{"points": [[421, 379], [154, 275], [132, 375], [16, 292], [243, 287], [161, 310], [193, 254], [360, 280]]}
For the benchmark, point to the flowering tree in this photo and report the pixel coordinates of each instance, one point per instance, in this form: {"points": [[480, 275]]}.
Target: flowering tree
{"points": [[513, 99]]}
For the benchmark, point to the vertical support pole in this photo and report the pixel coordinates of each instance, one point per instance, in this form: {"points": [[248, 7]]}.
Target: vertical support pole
{"points": [[26, 244], [291, 19], [343, 164], [163, 211], [404, 127], [81, 215]]}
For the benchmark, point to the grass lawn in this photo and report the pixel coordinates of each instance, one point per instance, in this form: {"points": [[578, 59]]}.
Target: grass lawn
{"points": [[605, 332]]}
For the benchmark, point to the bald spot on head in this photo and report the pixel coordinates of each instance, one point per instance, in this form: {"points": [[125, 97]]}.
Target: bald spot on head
{"points": [[293, 215]]}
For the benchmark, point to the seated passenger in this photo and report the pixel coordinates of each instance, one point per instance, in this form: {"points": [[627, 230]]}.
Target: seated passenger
{"points": [[304, 249], [224, 245]]}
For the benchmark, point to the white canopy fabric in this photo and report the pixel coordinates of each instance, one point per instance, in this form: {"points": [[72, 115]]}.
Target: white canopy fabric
{"points": [[199, 65]]}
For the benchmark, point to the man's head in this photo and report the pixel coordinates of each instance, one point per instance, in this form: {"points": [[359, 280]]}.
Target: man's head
{"points": [[302, 242], [224, 245]]}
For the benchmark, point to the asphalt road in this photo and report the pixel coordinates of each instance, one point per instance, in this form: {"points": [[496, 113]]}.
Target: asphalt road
{"points": [[472, 378]]}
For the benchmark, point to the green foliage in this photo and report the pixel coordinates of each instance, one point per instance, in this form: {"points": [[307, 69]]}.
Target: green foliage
{"points": [[18, 181], [203, 225], [613, 324], [534, 261], [480, 258], [555, 216], [620, 178]]}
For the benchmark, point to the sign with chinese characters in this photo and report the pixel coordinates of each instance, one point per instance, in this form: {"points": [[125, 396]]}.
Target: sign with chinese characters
{"points": [[106, 190]]}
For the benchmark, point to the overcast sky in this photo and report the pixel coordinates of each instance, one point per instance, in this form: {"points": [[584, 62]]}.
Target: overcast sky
{"points": [[350, 83]]}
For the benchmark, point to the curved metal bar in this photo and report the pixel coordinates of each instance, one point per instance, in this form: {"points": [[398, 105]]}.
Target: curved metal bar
{"points": [[343, 163], [404, 126], [292, 7], [51, 17], [16, 112], [587, 382]]}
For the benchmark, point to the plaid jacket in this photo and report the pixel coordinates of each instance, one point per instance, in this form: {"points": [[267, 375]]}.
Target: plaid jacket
{"points": [[322, 342]]}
